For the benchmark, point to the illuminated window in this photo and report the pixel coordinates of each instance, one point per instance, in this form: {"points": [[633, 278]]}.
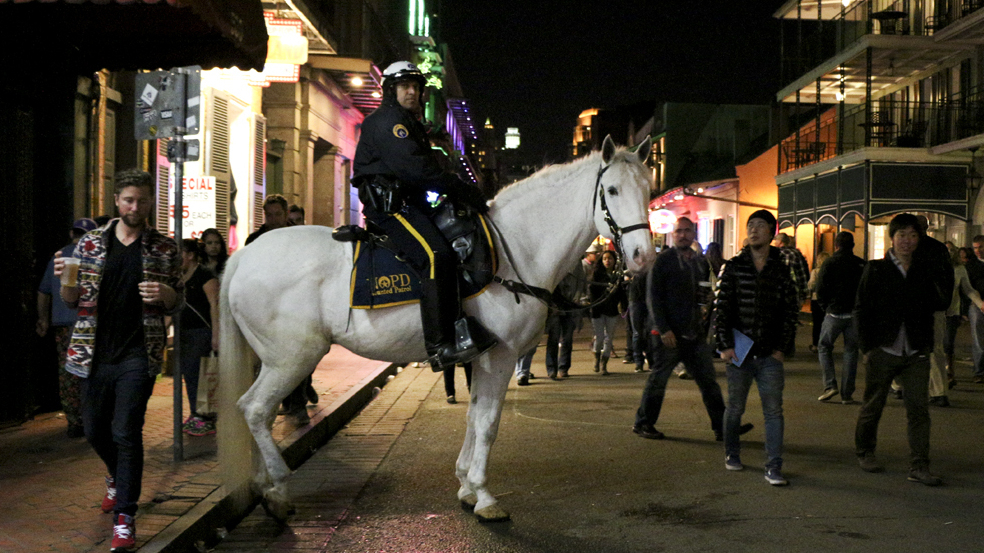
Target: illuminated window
{"points": [[704, 227], [878, 241]]}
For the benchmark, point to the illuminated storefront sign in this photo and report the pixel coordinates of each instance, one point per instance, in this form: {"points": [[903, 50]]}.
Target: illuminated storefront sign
{"points": [[198, 205], [662, 221]]}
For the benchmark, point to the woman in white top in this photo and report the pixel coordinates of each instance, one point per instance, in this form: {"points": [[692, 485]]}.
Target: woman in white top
{"points": [[961, 283]]}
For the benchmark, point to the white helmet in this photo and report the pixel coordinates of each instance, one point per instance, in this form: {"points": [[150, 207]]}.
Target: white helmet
{"points": [[400, 71]]}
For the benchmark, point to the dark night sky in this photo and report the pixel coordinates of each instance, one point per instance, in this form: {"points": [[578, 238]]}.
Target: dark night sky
{"points": [[527, 64]]}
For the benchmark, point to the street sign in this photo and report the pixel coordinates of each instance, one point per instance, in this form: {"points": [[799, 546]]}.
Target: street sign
{"points": [[168, 103]]}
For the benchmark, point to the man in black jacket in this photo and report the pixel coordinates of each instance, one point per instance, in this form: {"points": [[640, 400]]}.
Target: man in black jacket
{"points": [[837, 287], [756, 299], [400, 181], [895, 304], [678, 288]]}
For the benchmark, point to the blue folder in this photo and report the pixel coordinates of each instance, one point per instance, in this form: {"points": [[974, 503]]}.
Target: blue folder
{"points": [[743, 344]]}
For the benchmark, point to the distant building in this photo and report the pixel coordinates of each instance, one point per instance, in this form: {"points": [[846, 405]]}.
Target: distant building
{"points": [[512, 138]]}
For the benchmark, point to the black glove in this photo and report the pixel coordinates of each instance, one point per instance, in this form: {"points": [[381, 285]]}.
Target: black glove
{"points": [[470, 195]]}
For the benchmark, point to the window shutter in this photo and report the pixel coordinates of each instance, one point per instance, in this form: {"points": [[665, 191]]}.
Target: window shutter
{"points": [[163, 174], [257, 168], [217, 155]]}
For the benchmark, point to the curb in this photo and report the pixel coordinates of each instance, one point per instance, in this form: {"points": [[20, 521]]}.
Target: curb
{"points": [[219, 509]]}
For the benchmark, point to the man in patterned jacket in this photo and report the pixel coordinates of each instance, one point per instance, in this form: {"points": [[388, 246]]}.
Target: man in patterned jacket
{"points": [[799, 271], [757, 303], [128, 280]]}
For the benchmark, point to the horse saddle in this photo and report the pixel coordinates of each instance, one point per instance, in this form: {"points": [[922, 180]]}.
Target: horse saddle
{"points": [[381, 278]]}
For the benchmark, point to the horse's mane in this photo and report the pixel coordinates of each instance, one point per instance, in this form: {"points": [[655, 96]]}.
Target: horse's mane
{"points": [[547, 177]]}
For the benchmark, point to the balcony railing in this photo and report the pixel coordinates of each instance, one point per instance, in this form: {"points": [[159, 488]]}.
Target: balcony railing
{"points": [[873, 17], [888, 124]]}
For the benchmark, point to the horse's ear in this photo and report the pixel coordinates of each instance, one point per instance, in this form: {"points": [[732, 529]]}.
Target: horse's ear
{"points": [[643, 149], [607, 150]]}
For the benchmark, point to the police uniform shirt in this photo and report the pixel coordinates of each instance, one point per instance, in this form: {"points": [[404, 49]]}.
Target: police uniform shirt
{"points": [[394, 144]]}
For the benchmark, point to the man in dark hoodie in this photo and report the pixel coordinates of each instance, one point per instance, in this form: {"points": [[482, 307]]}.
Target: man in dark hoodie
{"points": [[757, 305], [896, 301], [837, 287]]}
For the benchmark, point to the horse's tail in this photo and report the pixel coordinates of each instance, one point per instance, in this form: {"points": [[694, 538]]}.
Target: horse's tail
{"points": [[236, 360]]}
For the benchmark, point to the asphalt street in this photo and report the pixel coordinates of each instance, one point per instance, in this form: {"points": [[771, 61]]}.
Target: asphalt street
{"points": [[576, 479]]}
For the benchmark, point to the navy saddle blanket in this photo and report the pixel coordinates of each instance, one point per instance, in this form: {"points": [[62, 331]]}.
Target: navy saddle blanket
{"points": [[380, 279]]}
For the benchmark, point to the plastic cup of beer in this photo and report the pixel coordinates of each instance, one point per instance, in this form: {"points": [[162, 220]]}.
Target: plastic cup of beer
{"points": [[70, 274]]}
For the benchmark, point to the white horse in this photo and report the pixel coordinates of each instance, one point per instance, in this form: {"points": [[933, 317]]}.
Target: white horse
{"points": [[286, 298]]}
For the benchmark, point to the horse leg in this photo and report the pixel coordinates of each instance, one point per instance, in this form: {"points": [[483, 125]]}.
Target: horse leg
{"points": [[259, 406], [466, 495], [487, 396]]}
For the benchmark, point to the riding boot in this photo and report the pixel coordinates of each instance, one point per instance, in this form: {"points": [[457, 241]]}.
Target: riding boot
{"points": [[597, 366], [438, 313], [604, 365]]}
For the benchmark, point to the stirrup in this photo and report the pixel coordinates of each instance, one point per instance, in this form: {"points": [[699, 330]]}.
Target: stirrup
{"points": [[470, 334], [471, 339]]}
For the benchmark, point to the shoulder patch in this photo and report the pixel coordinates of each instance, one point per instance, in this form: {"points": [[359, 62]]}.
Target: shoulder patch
{"points": [[400, 131]]}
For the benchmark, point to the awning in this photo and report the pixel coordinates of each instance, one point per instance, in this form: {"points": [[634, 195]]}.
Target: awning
{"points": [[359, 78], [134, 34]]}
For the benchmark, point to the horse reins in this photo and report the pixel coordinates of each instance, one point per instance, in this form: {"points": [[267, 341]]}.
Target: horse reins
{"points": [[551, 300]]}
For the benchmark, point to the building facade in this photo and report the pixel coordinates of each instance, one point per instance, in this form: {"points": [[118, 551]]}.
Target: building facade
{"points": [[882, 114]]}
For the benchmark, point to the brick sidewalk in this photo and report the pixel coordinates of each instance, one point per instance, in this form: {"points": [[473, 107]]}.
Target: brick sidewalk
{"points": [[51, 485]]}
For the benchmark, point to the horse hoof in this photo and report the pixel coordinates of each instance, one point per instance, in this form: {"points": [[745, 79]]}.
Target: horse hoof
{"points": [[492, 513], [469, 501], [278, 510]]}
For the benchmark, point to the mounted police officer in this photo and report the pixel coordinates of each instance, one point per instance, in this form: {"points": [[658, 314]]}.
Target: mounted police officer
{"points": [[398, 176]]}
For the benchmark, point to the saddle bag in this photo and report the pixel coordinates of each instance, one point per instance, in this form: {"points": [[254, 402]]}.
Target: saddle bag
{"points": [[458, 227]]}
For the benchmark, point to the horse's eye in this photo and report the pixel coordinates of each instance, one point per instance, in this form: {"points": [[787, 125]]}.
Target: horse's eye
{"points": [[612, 191]]}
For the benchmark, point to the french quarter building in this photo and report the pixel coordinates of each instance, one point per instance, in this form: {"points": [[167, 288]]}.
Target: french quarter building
{"points": [[884, 113]]}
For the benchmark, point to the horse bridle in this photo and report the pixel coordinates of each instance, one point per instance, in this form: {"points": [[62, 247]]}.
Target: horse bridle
{"points": [[616, 230], [557, 302]]}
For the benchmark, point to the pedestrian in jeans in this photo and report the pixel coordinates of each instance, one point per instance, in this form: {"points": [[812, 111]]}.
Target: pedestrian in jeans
{"points": [[758, 298], [561, 323], [638, 323], [678, 293], [897, 298], [128, 280], [837, 287], [975, 270]]}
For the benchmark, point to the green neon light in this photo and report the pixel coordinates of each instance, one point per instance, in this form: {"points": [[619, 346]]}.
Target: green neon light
{"points": [[427, 26], [413, 15]]}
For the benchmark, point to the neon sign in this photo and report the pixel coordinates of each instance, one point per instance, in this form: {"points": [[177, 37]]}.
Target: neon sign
{"points": [[661, 221]]}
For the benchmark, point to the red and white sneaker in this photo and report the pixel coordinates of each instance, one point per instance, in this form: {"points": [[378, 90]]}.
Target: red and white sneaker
{"points": [[109, 501], [124, 534]]}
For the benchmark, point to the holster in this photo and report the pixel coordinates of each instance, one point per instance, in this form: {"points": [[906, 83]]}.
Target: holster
{"points": [[382, 193]]}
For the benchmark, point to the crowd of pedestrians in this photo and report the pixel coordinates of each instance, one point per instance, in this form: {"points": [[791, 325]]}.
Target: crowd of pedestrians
{"points": [[897, 317]]}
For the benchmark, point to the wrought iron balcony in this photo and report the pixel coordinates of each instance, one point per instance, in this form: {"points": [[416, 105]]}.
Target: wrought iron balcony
{"points": [[887, 124]]}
